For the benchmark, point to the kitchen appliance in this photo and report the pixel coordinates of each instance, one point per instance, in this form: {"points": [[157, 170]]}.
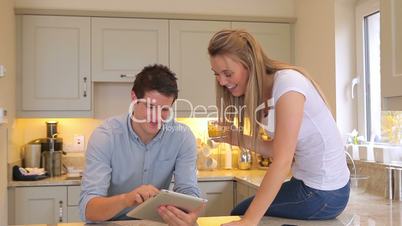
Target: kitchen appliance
{"points": [[32, 155], [51, 150], [52, 162]]}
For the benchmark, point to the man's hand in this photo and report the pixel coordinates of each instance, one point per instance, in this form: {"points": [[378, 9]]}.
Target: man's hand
{"points": [[176, 217], [140, 194]]}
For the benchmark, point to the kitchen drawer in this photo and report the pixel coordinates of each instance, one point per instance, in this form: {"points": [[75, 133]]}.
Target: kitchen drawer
{"points": [[73, 195], [219, 195]]}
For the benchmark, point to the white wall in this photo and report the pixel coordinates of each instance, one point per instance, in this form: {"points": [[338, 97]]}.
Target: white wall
{"points": [[7, 94], [345, 55], [315, 44], [324, 45], [277, 8]]}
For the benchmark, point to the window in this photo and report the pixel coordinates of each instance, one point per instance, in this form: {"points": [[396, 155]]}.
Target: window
{"points": [[376, 125], [368, 69]]}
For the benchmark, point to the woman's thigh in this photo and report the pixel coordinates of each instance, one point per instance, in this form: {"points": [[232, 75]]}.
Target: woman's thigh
{"points": [[309, 203], [289, 194], [298, 201]]}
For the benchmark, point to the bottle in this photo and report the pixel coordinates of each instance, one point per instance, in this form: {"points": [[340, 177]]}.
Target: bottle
{"points": [[228, 156]]}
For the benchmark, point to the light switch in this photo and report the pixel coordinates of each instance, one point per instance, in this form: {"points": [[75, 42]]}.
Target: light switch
{"points": [[2, 71]]}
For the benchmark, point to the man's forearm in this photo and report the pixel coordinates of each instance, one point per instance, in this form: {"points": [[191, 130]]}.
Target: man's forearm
{"points": [[104, 208]]}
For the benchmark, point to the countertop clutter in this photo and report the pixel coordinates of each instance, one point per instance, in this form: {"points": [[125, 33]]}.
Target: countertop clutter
{"points": [[363, 208], [250, 177]]}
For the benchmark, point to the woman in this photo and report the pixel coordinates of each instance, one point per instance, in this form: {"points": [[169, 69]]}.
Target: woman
{"points": [[284, 101]]}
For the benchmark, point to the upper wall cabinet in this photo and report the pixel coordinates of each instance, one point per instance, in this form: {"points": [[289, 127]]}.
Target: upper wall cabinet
{"points": [[121, 47], [275, 38], [56, 72], [391, 54], [190, 61]]}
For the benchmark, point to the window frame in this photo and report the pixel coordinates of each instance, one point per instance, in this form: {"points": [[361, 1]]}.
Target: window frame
{"points": [[363, 9]]}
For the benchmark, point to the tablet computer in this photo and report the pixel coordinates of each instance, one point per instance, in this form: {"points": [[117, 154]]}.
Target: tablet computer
{"points": [[148, 209]]}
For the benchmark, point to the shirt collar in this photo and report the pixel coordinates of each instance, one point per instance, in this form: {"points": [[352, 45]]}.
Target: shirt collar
{"points": [[135, 136]]}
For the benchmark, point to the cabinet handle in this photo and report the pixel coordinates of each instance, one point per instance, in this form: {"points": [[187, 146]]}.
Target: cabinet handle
{"points": [[85, 87], [127, 76], [214, 193], [60, 211]]}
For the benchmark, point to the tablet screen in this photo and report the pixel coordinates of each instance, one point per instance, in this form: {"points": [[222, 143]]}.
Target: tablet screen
{"points": [[148, 209]]}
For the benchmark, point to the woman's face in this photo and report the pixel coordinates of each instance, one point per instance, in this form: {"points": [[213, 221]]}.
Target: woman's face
{"points": [[230, 74]]}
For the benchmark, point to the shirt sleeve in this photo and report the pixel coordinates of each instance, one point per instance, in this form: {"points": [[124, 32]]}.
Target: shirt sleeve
{"points": [[185, 172], [96, 177], [290, 80]]}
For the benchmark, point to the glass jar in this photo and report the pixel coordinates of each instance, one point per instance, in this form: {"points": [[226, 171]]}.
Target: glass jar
{"points": [[244, 159]]}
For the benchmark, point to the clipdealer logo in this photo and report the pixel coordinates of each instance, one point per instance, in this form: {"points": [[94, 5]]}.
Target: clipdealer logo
{"points": [[165, 113]]}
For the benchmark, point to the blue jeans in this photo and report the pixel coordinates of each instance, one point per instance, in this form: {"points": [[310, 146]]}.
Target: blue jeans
{"points": [[295, 200]]}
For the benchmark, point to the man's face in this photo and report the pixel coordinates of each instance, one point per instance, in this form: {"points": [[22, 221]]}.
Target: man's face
{"points": [[151, 111]]}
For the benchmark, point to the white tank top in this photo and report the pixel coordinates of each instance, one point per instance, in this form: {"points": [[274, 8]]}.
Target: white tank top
{"points": [[320, 161]]}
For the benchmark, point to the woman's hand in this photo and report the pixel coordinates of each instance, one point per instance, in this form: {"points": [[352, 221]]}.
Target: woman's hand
{"points": [[176, 217], [242, 222]]}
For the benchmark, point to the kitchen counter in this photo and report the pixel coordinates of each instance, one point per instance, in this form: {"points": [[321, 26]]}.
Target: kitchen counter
{"points": [[251, 177], [363, 209]]}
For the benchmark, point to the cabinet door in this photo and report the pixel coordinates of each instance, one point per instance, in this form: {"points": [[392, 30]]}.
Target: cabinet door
{"points": [[275, 38], [242, 192], [121, 47], [56, 63], [391, 54], [219, 195], [73, 195], [190, 61], [40, 205], [73, 214], [73, 198]]}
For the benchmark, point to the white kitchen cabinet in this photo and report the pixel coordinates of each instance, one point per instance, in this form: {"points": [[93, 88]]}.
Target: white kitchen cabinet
{"points": [[241, 192], [121, 47], [244, 191], [40, 205], [44, 204], [55, 59], [61, 57], [219, 195], [73, 198], [275, 38], [190, 61], [391, 54]]}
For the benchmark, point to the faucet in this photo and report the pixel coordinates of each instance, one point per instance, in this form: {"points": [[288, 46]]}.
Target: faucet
{"points": [[353, 162]]}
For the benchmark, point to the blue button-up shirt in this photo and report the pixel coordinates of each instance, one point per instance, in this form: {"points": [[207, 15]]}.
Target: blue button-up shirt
{"points": [[117, 161]]}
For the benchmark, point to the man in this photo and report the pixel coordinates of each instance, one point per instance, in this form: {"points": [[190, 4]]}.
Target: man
{"points": [[129, 158]]}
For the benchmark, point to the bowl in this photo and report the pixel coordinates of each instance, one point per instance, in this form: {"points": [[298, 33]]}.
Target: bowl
{"points": [[358, 183]]}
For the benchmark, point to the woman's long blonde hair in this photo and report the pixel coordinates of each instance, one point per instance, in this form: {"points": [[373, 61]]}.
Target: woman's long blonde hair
{"points": [[241, 46]]}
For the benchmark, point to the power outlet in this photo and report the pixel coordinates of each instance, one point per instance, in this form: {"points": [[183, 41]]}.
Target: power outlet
{"points": [[79, 143]]}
